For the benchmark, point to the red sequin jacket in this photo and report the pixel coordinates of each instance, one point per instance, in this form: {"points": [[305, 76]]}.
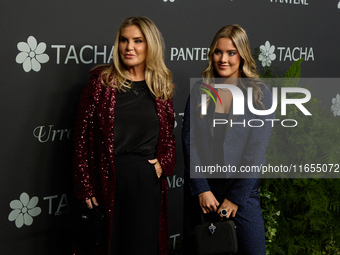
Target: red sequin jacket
{"points": [[94, 150]]}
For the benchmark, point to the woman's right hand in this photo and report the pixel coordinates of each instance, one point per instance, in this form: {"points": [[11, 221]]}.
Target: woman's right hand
{"points": [[208, 202], [91, 202]]}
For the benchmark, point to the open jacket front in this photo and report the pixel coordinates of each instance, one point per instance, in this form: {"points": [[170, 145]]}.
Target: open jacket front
{"points": [[94, 151]]}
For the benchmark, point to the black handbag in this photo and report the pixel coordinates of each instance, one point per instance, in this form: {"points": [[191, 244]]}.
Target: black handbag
{"points": [[89, 225], [216, 237]]}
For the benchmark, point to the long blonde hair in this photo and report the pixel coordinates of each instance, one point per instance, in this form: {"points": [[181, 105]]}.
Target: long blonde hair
{"points": [[157, 76], [247, 66]]}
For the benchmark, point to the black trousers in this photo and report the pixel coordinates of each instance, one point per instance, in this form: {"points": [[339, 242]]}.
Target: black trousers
{"points": [[136, 207]]}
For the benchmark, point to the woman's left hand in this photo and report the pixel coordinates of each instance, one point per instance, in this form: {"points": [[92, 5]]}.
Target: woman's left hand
{"points": [[229, 206], [157, 166]]}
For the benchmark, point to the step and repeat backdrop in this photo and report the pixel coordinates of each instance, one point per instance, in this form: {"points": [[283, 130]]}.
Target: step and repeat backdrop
{"points": [[47, 49]]}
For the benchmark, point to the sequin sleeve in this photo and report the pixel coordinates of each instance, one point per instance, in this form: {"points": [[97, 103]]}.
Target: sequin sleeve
{"points": [[166, 153], [83, 138]]}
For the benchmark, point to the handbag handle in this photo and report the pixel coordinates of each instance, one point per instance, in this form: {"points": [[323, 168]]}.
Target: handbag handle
{"points": [[223, 218]]}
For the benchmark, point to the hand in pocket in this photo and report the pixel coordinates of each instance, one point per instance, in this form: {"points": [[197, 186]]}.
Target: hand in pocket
{"points": [[157, 165]]}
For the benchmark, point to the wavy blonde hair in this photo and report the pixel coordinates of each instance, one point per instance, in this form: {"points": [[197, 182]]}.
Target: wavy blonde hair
{"points": [[157, 76], [247, 66]]}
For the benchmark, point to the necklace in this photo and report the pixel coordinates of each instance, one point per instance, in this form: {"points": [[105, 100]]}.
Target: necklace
{"points": [[139, 90]]}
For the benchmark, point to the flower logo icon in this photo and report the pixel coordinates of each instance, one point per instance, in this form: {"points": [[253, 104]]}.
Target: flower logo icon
{"points": [[267, 54], [31, 54], [24, 210], [336, 105]]}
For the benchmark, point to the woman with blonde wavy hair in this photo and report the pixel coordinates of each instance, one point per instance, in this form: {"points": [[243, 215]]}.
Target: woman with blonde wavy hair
{"points": [[235, 145], [124, 145], [247, 66]]}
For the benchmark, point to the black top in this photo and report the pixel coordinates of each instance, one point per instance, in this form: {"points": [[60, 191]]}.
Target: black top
{"points": [[136, 121]]}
